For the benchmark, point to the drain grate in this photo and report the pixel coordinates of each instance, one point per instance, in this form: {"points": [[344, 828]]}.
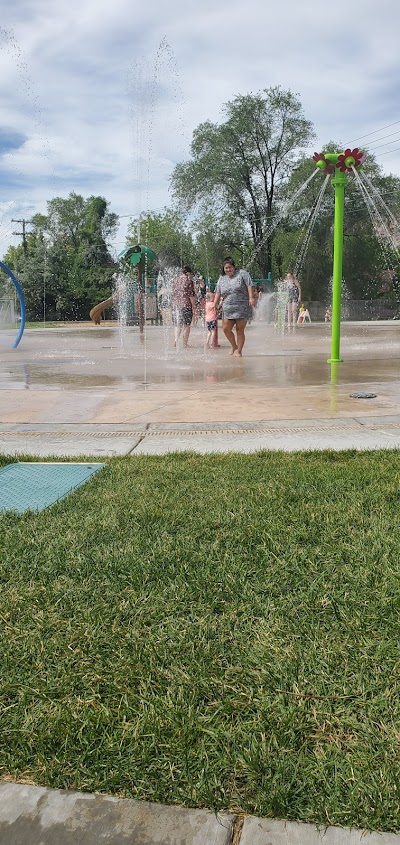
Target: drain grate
{"points": [[36, 486], [89, 435], [193, 432], [81, 435]]}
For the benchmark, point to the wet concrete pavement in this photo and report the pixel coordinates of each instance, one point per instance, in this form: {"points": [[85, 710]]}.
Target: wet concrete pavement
{"points": [[91, 390]]}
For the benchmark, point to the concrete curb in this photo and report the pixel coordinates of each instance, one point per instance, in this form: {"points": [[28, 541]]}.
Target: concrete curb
{"points": [[270, 832], [35, 815]]}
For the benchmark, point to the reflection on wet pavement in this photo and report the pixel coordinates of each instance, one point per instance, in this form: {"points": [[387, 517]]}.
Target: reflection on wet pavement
{"points": [[94, 358], [87, 376]]}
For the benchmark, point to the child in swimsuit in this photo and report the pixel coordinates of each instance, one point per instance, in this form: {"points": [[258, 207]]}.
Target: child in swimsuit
{"points": [[211, 319]]}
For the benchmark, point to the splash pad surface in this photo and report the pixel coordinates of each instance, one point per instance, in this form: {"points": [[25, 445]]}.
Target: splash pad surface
{"points": [[88, 375]]}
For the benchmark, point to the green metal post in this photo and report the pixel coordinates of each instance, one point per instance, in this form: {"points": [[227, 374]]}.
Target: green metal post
{"points": [[337, 164], [339, 183]]}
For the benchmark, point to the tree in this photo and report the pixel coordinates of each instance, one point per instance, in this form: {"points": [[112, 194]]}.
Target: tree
{"points": [[238, 167], [68, 266], [166, 234], [214, 238], [202, 244]]}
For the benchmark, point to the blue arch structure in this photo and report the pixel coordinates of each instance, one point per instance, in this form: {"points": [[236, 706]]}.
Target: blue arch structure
{"points": [[18, 288]]}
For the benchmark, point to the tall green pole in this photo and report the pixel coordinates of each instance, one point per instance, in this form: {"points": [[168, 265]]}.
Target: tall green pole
{"points": [[339, 182], [336, 164]]}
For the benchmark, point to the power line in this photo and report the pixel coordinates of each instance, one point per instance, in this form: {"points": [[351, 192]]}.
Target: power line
{"points": [[387, 143], [374, 133], [388, 152], [383, 138], [140, 213]]}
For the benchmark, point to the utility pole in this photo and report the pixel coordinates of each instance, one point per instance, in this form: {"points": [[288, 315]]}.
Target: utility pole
{"points": [[23, 233]]}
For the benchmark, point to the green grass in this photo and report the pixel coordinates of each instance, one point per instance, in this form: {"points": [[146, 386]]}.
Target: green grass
{"points": [[37, 324], [217, 631]]}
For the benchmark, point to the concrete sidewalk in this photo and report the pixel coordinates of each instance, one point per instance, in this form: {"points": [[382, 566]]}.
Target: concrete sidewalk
{"points": [[34, 815], [110, 439]]}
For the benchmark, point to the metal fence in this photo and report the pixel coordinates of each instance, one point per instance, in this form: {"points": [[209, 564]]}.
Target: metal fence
{"points": [[7, 311], [152, 311], [352, 309], [356, 309]]}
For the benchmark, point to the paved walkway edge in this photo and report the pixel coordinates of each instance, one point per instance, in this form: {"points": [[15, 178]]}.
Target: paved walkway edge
{"points": [[35, 815], [271, 832], [108, 440]]}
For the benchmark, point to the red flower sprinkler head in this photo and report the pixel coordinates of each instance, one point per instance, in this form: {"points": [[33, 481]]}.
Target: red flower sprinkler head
{"points": [[349, 159], [323, 164]]}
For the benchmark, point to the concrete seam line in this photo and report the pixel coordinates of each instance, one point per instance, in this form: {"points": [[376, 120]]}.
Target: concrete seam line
{"points": [[139, 441], [237, 827]]}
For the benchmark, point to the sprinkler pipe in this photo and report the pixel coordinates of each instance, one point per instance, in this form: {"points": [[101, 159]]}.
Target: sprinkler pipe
{"points": [[336, 165], [339, 183]]}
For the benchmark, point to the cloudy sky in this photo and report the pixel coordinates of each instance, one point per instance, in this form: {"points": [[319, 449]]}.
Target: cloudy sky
{"points": [[102, 97]]}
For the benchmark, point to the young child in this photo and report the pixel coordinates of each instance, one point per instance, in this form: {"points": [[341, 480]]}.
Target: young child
{"points": [[304, 315], [211, 319]]}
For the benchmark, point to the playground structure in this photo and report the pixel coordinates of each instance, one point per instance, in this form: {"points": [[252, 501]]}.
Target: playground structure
{"points": [[20, 296], [96, 312], [137, 256]]}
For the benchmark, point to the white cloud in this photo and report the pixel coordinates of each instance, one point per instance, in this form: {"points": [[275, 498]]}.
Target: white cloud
{"points": [[108, 94]]}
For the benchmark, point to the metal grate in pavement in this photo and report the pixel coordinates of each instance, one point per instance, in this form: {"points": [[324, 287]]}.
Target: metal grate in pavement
{"points": [[80, 435], [186, 432]]}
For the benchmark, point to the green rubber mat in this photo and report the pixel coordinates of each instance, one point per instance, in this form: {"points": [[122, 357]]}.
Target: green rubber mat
{"points": [[36, 486]]}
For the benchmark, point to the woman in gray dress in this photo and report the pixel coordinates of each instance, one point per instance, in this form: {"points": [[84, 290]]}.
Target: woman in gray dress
{"points": [[235, 289]]}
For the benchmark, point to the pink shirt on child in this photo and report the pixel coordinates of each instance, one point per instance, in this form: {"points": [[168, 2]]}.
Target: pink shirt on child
{"points": [[211, 313]]}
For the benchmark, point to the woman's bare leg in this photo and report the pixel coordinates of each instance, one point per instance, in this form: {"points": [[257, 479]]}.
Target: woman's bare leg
{"points": [[290, 314], [185, 334], [227, 326], [240, 327]]}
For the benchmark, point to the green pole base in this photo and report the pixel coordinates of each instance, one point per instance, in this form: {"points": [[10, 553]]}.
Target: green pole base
{"points": [[335, 361]]}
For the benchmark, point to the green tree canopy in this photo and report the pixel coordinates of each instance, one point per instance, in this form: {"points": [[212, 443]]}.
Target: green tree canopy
{"points": [[237, 167], [216, 236], [166, 234], [67, 267]]}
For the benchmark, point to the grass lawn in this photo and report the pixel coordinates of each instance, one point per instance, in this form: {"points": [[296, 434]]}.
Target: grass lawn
{"points": [[218, 631], [40, 325]]}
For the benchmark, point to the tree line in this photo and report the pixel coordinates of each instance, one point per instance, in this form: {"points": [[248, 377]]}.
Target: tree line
{"points": [[233, 196]]}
